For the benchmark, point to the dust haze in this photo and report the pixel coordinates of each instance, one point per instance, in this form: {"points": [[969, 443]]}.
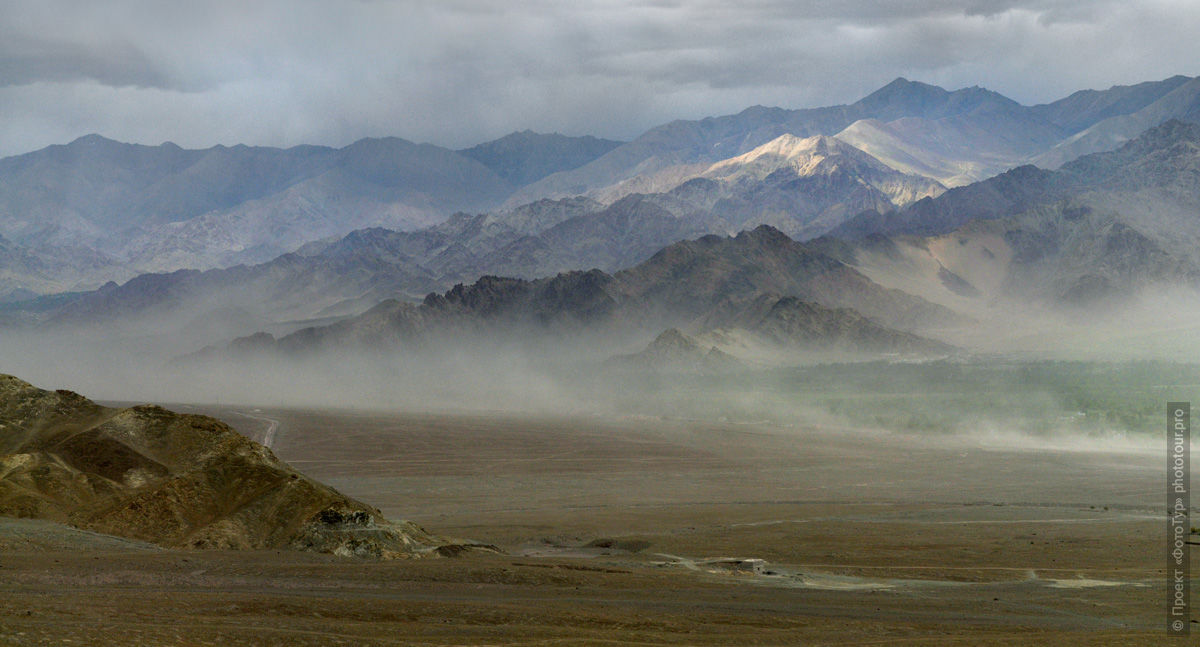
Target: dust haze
{"points": [[1042, 380], [1013, 487]]}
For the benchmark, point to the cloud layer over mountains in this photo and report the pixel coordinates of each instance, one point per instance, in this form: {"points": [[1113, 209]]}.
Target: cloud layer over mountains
{"points": [[457, 73]]}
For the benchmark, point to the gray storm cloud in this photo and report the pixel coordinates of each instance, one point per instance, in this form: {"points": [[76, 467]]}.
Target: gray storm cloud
{"points": [[456, 73]]}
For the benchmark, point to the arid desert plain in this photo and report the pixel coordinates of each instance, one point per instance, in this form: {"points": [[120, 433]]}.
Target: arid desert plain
{"points": [[640, 530]]}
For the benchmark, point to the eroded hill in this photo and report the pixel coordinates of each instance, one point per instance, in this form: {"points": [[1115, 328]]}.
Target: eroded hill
{"points": [[178, 481]]}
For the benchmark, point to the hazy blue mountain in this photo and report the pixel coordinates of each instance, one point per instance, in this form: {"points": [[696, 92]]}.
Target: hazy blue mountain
{"points": [[1005, 194], [40, 268], [957, 149], [623, 234], [1181, 103], [1084, 108], [163, 207], [526, 156], [22, 274], [95, 210]]}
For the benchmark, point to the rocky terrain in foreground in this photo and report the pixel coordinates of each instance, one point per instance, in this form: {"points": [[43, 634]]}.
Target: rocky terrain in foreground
{"points": [[177, 481]]}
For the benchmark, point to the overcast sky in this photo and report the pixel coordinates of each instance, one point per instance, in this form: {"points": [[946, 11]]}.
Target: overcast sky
{"points": [[455, 73]]}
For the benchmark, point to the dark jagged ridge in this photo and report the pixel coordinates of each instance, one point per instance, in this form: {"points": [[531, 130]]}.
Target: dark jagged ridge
{"points": [[712, 279]]}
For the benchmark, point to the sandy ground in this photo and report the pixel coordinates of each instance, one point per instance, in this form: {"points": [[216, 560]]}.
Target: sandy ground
{"points": [[644, 531]]}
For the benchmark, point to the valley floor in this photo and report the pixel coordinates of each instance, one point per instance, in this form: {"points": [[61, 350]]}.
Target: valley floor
{"points": [[643, 531]]}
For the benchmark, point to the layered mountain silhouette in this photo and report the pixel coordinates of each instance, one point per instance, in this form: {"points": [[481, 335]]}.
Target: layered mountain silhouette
{"points": [[353, 273], [760, 281]]}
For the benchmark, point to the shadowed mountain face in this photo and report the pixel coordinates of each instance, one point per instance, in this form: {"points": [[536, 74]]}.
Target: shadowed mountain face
{"points": [[788, 322], [1073, 255], [795, 171], [991, 137], [524, 157], [174, 480], [767, 330], [1006, 194]]}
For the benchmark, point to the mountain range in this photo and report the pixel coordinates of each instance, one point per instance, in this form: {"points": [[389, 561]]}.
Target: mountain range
{"points": [[926, 209], [757, 292], [953, 137], [137, 209], [130, 209]]}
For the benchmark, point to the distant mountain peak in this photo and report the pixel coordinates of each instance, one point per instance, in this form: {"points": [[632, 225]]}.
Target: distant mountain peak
{"points": [[91, 138], [96, 141], [902, 98], [526, 156], [900, 83], [366, 142], [903, 89]]}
